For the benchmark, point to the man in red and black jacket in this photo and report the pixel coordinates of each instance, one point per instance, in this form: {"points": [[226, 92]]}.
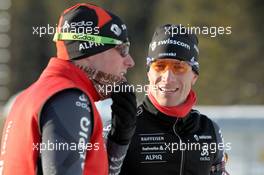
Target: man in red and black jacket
{"points": [[54, 126], [171, 138]]}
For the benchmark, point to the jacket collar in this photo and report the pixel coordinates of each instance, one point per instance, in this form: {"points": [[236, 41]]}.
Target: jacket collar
{"points": [[66, 69], [187, 125], [153, 110]]}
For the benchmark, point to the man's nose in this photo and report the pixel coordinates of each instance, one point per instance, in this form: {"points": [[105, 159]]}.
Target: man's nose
{"points": [[168, 75], [129, 62]]}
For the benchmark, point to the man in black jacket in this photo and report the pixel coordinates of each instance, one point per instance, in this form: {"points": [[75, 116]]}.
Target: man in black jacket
{"points": [[171, 138]]}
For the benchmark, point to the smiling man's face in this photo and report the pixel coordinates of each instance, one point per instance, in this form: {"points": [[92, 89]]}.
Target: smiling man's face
{"points": [[168, 87]]}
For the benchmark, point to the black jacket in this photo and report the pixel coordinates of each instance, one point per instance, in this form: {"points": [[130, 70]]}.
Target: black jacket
{"points": [[165, 145]]}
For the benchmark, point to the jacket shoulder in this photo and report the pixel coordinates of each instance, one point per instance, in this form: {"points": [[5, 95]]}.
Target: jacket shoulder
{"points": [[197, 113]]}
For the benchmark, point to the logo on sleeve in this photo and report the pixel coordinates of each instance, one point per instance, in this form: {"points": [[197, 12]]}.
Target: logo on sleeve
{"points": [[83, 102]]}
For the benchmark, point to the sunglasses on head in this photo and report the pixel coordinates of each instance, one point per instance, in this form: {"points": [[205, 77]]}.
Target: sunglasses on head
{"points": [[176, 66], [122, 47]]}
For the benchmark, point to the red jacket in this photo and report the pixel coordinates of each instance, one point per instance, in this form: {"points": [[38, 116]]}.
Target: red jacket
{"points": [[21, 132]]}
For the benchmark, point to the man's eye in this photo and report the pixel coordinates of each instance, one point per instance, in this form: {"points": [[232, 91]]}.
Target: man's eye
{"points": [[177, 66], [160, 66]]}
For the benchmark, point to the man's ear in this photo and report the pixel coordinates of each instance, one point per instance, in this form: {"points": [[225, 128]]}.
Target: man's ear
{"points": [[195, 77], [148, 75]]}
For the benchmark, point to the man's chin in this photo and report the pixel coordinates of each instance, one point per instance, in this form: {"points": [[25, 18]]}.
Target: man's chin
{"points": [[166, 99], [166, 103]]}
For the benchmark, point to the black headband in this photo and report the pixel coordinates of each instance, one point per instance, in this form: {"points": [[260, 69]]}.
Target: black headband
{"points": [[166, 43]]}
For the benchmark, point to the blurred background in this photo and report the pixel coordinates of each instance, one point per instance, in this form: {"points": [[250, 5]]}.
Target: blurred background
{"points": [[230, 87]]}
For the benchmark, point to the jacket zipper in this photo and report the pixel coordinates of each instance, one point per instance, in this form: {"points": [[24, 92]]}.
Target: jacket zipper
{"points": [[182, 151]]}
